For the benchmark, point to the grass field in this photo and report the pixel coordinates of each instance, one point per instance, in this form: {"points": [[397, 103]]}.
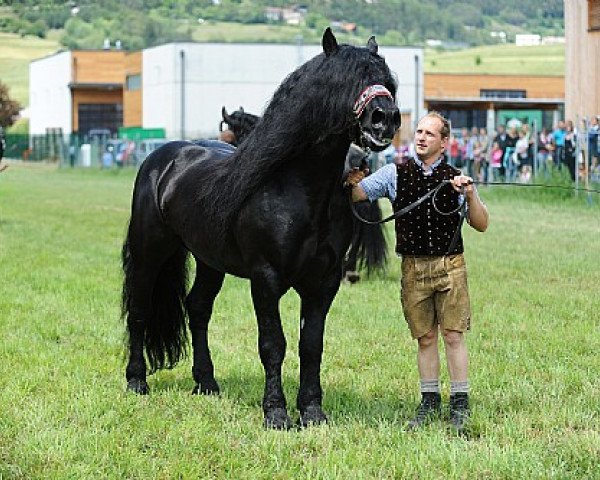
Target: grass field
{"points": [[64, 413], [499, 59], [15, 54]]}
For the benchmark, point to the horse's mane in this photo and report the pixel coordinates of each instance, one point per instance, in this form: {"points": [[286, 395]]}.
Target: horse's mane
{"points": [[313, 103]]}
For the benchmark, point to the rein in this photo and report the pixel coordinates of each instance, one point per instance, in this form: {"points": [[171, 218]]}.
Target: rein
{"points": [[433, 193], [461, 209]]}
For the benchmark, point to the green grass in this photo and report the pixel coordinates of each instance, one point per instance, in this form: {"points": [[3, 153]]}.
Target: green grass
{"points": [[499, 59], [16, 53], [534, 280]]}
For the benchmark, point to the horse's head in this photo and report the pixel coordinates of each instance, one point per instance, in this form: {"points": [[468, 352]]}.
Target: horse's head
{"points": [[239, 122], [374, 108]]}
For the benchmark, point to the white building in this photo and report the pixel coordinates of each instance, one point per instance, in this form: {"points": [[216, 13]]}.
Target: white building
{"points": [[183, 85]]}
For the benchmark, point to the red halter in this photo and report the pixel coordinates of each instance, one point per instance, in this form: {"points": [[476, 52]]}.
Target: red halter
{"points": [[367, 95]]}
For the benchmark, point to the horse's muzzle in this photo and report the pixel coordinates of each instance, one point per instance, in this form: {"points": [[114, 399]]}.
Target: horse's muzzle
{"points": [[379, 123]]}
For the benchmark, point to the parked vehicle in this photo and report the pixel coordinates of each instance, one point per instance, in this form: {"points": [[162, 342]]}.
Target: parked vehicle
{"points": [[145, 147]]}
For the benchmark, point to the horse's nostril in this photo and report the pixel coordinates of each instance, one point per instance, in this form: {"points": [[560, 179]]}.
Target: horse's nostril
{"points": [[377, 116]]}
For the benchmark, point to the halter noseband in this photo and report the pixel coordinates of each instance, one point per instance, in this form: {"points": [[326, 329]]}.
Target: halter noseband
{"points": [[367, 95]]}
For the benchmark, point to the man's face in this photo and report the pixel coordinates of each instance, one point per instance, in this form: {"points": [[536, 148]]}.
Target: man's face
{"points": [[428, 139]]}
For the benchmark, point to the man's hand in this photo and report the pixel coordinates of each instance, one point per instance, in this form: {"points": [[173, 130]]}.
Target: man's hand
{"points": [[355, 176], [463, 181], [477, 216]]}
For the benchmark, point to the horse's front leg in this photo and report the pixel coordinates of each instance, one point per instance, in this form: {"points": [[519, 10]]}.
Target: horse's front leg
{"points": [[315, 305], [267, 288]]}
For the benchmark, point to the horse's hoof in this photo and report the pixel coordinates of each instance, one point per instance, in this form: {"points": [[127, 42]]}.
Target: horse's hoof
{"points": [[210, 387], [312, 415], [277, 419], [352, 277], [138, 386]]}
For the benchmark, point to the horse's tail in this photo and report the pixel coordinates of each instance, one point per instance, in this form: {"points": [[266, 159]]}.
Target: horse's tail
{"points": [[164, 316], [372, 244]]}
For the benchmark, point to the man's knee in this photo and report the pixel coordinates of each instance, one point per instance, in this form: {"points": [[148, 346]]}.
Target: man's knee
{"points": [[428, 339], [453, 338]]}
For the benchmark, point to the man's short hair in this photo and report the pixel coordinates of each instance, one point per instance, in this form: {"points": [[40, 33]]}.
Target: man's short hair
{"points": [[445, 130]]}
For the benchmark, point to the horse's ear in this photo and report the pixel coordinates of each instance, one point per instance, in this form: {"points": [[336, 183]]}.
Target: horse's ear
{"points": [[329, 42], [372, 45], [225, 115]]}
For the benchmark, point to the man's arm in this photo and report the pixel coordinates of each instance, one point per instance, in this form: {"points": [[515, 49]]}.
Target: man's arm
{"points": [[478, 216]]}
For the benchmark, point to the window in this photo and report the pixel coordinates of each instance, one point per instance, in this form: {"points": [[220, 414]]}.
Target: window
{"points": [[484, 93], [593, 15], [134, 82]]}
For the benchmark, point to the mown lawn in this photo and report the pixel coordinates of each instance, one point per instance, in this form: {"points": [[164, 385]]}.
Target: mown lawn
{"points": [[64, 413]]}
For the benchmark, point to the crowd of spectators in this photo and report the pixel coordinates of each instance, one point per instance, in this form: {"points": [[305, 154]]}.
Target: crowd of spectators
{"points": [[513, 153]]}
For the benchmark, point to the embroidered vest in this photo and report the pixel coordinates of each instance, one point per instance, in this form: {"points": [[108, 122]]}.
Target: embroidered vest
{"points": [[423, 231]]}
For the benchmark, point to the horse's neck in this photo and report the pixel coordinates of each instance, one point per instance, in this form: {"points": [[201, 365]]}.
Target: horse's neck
{"points": [[317, 163]]}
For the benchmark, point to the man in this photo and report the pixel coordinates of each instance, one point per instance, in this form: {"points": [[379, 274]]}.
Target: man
{"points": [[228, 136], [558, 139], [435, 296], [2, 167]]}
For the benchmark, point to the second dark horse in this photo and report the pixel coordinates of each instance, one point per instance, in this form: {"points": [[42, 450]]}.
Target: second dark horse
{"points": [[274, 212]]}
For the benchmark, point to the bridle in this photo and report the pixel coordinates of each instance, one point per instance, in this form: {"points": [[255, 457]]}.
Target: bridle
{"points": [[364, 98]]}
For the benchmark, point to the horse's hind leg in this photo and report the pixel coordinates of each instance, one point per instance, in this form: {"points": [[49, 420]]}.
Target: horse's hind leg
{"points": [[154, 268], [199, 304], [139, 310]]}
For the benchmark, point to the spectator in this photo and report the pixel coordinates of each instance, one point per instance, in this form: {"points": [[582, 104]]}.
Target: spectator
{"points": [[593, 143], [496, 163], [545, 149], [472, 148], [2, 166], [500, 140], [463, 142], [227, 136], [510, 162], [570, 146], [107, 157], [558, 140], [480, 165], [453, 150]]}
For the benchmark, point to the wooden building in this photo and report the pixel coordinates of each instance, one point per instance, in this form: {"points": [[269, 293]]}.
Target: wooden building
{"points": [[475, 100], [582, 33], [84, 90]]}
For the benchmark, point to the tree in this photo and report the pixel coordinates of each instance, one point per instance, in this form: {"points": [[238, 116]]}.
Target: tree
{"points": [[9, 109]]}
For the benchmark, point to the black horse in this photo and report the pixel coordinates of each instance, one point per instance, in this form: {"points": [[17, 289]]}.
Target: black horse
{"points": [[368, 247], [240, 123], [274, 212]]}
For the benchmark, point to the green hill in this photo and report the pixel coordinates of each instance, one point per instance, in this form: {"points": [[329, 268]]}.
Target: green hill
{"points": [[499, 59], [16, 52]]}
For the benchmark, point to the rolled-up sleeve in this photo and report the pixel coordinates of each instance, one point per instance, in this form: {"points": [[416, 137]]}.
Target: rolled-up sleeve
{"points": [[381, 184]]}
